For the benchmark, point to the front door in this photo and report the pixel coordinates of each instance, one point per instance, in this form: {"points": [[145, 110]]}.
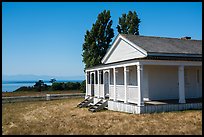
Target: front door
{"points": [[106, 84]]}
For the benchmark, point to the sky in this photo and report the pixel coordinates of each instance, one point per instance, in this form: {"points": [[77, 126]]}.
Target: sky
{"points": [[45, 38]]}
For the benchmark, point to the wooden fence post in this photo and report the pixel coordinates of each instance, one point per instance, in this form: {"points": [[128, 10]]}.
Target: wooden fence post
{"points": [[48, 97]]}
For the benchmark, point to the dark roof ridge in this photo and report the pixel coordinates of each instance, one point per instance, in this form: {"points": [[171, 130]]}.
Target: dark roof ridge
{"points": [[159, 37]]}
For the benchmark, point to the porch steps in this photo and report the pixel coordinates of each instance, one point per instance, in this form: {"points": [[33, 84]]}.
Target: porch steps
{"points": [[99, 106], [85, 102]]}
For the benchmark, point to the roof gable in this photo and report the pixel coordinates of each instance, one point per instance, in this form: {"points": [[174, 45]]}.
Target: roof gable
{"points": [[123, 49]]}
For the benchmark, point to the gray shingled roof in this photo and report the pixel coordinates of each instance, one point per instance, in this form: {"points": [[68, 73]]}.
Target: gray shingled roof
{"points": [[166, 45]]}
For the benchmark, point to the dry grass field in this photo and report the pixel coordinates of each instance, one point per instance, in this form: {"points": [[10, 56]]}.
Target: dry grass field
{"points": [[60, 117]]}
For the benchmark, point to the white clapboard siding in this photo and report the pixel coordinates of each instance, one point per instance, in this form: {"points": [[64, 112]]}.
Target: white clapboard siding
{"points": [[122, 107], [170, 107], [132, 108]]}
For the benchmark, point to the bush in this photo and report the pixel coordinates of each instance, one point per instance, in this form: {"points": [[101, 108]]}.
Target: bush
{"points": [[40, 86], [73, 85], [24, 88], [83, 86], [66, 86], [57, 86]]}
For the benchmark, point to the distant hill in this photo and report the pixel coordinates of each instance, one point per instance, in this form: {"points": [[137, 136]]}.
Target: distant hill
{"points": [[38, 77]]}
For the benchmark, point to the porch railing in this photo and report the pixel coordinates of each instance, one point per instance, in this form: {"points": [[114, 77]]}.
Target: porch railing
{"points": [[96, 90], [101, 94], [111, 91], [89, 89], [132, 94], [120, 92]]}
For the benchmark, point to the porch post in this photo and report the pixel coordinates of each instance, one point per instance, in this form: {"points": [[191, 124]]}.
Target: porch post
{"points": [[94, 78], [181, 84], [140, 84], [114, 83], [86, 83], [103, 84], [98, 72], [95, 82], [125, 82]]}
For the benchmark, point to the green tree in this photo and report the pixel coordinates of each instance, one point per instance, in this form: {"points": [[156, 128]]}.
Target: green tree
{"points": [[39, 85], [97, 40], [129, 24]]}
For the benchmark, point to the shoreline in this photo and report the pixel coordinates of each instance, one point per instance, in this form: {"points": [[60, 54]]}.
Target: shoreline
{"points": [[12, 85]]}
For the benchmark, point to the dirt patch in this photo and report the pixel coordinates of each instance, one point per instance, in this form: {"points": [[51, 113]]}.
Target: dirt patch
{"points": [[62, 117]]}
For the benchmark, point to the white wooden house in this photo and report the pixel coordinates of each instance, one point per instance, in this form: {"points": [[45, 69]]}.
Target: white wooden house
{"points": [[143, 74]]}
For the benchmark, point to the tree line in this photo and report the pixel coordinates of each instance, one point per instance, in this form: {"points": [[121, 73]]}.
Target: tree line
{"points": [[40, 86]]}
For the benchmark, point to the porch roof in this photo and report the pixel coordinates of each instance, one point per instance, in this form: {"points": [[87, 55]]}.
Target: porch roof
{"points": [[149, 58]]}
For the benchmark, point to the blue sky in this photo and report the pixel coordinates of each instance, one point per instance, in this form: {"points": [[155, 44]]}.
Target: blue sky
{"points": [[46, 38]]}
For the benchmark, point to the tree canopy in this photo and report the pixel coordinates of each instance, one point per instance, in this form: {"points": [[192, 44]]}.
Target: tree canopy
{"points": [[52, 80], [129, 23], [39, 85], [97, 40]]}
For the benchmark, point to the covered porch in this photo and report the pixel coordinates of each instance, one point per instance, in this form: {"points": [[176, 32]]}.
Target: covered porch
{"points": [[143, 81], [116, 84]]}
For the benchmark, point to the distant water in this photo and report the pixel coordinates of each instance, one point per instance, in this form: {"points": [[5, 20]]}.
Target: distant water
{"points": [[10, 86]]}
